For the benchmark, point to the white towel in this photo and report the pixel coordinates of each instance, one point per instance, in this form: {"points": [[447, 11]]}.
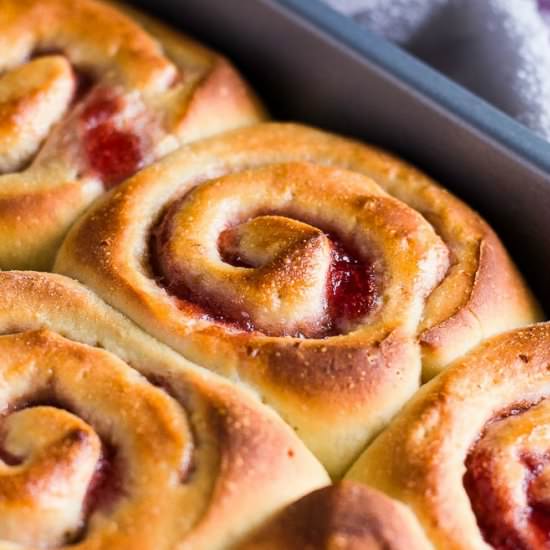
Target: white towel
{"points": [[500, 49]]}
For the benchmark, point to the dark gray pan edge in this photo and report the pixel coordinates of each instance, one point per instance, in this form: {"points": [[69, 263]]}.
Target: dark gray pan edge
{"points": [[315, 66], [411, 72]]}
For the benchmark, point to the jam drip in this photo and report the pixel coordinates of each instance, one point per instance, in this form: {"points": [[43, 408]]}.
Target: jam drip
{"points": [[350, 290], [113, 154]]}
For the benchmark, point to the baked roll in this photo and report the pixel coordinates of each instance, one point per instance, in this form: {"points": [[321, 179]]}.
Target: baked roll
{"points": [[96, 454], [470, 452], [277, 256], [88, 97], [305, 282], [345, 516]]}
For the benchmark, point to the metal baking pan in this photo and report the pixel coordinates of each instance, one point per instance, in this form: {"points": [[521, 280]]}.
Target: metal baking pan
{"points": [[312, 65]]}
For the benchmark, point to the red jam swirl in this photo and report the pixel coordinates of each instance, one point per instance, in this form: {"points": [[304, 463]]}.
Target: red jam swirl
{"points": [[106, 484], [539, 510], [488, 508], [227, 251], [502, 525], [113, 154], [351, 288]]}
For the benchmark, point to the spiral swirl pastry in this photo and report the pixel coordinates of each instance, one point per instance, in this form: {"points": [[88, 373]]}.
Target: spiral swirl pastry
{"points": [[88, 97], [470, 452], [94, 454], [345, 516], [268, 255]]}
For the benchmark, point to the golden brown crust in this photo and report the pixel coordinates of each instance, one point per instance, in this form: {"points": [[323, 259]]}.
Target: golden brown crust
{"points": [[338, 391], [345, 516], [31, 240], [420, 458], [496, 299], [482, 293], [109, 251], [175, 90], [196, 451]]}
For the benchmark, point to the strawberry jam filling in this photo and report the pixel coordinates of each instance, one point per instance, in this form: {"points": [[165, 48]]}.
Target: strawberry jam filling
{"points": [[112, 153], [539, 509], [350, 288], [487, 505], [106, 484], [501, 523]]}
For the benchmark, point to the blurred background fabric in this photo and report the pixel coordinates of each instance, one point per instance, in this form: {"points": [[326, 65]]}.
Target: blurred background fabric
{"points": [[499, 49]]}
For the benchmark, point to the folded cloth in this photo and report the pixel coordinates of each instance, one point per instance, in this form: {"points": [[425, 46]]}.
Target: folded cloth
{"points": [[500, 49]]}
